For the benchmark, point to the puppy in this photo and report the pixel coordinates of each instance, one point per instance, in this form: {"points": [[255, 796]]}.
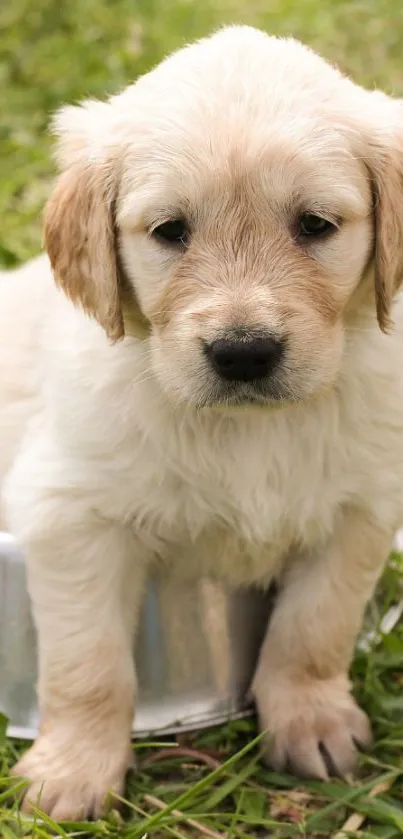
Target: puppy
{"points": [[213, 381]]}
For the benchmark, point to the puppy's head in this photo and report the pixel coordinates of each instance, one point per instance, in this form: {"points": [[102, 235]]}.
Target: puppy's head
{"points": [[244, 200]]}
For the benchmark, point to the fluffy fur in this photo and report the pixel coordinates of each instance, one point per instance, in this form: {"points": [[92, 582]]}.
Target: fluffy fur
{"points": [[125, 446]]}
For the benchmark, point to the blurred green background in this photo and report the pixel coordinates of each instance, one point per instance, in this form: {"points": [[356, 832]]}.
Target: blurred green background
{"points": [[56, 51]]}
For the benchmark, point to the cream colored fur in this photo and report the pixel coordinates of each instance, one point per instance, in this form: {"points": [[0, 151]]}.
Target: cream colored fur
{"points": [[124, 453]]}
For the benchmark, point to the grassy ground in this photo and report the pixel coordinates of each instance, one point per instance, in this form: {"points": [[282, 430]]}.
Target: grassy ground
{"points": [[53, 51]]}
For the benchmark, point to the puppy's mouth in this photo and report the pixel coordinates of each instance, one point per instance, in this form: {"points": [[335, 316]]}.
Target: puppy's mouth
{"points": [[244, 395]]}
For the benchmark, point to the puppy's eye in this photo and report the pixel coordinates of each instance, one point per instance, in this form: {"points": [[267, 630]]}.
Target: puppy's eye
{"points": [[172, 232], [314, 226]]}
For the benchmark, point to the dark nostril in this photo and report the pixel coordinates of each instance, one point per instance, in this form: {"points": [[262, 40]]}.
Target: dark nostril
{"points": [[244, 360]]}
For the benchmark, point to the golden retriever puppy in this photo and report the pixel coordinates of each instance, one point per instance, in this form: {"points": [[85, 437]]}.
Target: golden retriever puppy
{"points": [[213, 381]]}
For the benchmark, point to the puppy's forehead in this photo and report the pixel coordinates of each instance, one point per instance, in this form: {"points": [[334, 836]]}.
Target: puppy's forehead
{"points": [[282, 164], [242, 109]]}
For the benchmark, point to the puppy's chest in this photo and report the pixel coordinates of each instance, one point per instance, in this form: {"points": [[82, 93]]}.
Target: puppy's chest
{"points": [[240, 494]]}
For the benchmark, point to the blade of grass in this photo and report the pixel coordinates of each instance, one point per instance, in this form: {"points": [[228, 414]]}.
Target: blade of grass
{"points": [[160, 805], [14, 787], [356, 820], [381, 811], [7, 833], [234, 815], [56, 828], [229, 786], [344, 797], [137, 809]]}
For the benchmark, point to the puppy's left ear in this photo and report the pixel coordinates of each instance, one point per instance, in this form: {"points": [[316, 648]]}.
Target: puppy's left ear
{"points": [[386, 170]]}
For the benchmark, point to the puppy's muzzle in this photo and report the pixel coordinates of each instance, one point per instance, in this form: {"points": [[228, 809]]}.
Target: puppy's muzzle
{"points": [[244, 360]]}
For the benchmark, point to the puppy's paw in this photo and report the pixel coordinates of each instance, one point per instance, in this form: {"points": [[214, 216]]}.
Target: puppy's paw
{"points": [[72, 780], [316, 728]]}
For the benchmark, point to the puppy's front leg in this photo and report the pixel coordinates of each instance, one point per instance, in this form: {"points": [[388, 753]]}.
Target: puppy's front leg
{"points": [[85, 583], [301, 684]]}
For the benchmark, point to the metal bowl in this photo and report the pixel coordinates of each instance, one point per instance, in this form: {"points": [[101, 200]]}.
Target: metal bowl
{"points": [[195, 652]]}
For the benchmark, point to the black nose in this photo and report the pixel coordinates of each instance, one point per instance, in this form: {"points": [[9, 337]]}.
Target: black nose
{"points": [[244, 360]]}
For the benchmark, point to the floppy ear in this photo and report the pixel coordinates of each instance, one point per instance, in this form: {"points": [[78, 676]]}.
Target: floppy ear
{"points": [[80, 229], [387, 175]]}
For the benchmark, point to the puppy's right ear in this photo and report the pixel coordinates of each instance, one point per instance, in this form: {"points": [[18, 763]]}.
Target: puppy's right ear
{"points": [[80, 235]]}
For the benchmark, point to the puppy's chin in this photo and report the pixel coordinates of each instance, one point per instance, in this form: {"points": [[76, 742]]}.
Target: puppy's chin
{"points": [[242, 397]]}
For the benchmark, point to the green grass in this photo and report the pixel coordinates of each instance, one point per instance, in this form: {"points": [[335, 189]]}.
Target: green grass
{"points": [[55, 51]]}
